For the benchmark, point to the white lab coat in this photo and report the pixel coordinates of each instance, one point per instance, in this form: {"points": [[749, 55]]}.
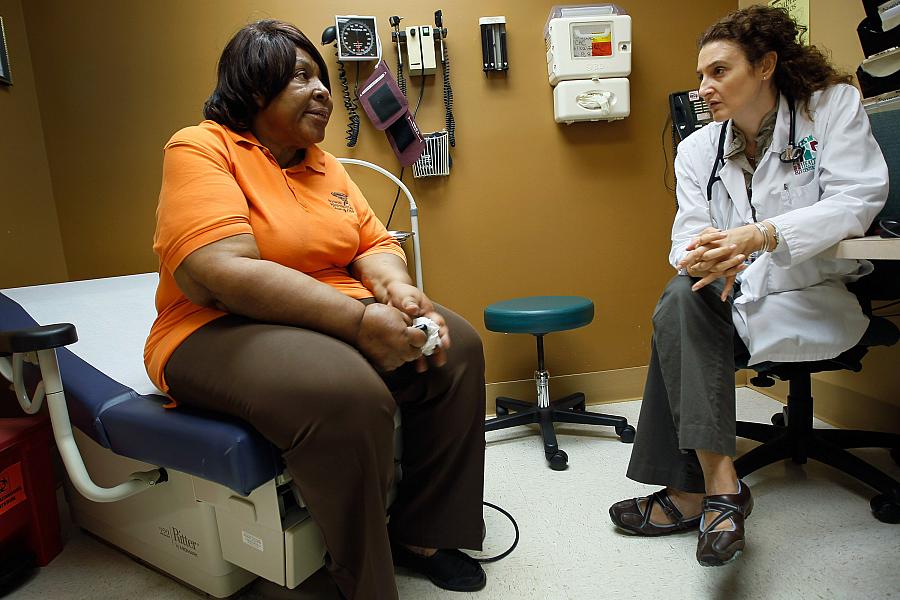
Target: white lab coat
{"points": [[794, 305]]}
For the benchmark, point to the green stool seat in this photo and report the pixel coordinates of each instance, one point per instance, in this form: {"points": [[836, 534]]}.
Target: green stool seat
{"points": [[539, 315]]}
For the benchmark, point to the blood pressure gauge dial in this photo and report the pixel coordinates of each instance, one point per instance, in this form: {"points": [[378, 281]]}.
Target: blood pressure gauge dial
{"points": [[357, 38]]}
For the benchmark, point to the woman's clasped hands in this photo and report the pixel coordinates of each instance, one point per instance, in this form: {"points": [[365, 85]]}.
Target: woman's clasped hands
{"points": [[386, 335], [717, 253]]}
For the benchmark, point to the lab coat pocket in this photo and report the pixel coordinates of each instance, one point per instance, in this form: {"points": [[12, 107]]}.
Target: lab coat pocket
{"points": [[799, 196], [796, 277]]}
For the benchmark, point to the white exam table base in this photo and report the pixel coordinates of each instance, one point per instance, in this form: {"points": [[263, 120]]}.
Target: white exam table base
{"points": [[198, 531]]}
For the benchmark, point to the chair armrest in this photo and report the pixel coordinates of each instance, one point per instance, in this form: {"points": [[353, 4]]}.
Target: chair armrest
{"points": [[42, 337]]}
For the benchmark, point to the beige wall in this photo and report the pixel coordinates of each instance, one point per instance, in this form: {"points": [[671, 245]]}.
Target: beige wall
{"points": [[532, 207], [30, 245]]}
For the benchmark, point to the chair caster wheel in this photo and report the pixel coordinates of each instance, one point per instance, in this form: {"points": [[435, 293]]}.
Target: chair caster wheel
{"points": [[885, 509], [778, 419], [626, 434], [895, 454], [558, 461], [502, 411]]}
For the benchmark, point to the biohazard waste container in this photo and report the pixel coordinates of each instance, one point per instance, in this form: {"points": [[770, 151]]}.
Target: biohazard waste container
{"points": [[29, 521]]}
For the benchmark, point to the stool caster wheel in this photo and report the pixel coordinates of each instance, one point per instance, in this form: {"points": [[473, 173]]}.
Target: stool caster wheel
{"points": [[558, 461], [885, 509], [778, 419], [626, 434], [502, 411], [895, 454]]}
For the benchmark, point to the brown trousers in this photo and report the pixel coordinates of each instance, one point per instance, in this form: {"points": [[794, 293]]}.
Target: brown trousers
{"points": [[322, 403]]}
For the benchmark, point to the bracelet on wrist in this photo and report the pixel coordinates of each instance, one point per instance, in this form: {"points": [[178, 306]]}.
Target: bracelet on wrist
{"points": [[765, 234]]}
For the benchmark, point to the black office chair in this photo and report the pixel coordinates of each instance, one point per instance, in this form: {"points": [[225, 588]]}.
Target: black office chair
{"points": [[792, 435]]}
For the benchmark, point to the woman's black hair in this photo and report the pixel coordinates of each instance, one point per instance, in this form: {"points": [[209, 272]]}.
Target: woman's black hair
{"points": [[256, 64], [800, 70]]}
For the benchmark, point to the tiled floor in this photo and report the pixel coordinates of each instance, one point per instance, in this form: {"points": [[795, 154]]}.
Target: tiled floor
{"points": [[811, 535]]}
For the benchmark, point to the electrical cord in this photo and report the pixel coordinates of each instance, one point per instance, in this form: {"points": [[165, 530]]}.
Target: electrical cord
{"points": [[401, 78], [889, 228], [353, 124], [400, 177], [666, 127], [449, 119], [515, 543]]}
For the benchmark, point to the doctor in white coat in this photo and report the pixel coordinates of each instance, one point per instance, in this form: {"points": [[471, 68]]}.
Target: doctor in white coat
{"points": [[788, 169]]}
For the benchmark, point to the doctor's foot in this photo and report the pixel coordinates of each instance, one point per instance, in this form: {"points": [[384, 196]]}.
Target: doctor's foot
{"points": [[449, 569], [661, 513], [722, 526]]}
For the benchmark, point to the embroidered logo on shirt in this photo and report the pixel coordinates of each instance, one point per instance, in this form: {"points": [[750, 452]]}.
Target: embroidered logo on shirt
{"points": [[807, 162], [342, 203]]}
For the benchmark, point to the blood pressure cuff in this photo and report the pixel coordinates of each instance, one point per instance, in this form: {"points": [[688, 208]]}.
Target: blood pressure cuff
{"points": [[388, 110]]}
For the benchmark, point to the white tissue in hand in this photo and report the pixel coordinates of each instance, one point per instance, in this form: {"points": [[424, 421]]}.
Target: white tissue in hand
{"points": [[433, 333]]}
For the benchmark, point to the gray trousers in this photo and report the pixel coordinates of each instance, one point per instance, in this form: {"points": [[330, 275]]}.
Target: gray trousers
{"points": [[689, 395]]}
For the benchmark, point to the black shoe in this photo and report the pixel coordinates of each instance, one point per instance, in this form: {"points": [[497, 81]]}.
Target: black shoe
{"points": [[448, 569]]}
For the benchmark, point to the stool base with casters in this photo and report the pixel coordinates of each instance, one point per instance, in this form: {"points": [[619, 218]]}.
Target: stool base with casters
{"points": [[540, 315]]}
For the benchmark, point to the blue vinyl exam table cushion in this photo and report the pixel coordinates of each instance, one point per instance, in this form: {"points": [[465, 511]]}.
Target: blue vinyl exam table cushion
{"points": [[539, 315], [135, 425]]}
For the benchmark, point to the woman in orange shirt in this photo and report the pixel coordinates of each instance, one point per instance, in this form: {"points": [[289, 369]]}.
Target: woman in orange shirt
{"points": [[283, 301]]}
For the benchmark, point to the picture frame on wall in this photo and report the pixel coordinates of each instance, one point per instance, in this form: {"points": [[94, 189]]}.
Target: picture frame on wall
{"points": [[5, 73]]}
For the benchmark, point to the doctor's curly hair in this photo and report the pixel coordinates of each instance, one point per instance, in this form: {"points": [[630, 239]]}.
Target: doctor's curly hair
{"points": [[800, 70]]}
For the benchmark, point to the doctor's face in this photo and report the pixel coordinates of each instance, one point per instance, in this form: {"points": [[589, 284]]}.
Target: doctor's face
{"points": [[728, 82]]}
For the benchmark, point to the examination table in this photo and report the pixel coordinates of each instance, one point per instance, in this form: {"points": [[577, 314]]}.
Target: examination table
{"points": [[205, 499]]}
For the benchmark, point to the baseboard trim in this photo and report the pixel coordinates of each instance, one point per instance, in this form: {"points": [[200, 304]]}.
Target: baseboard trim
{"points": [[843, 407], [834, 404], [599, 387]]}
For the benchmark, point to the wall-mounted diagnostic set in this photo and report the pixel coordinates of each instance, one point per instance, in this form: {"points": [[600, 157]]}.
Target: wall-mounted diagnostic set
{"points": [[588, 62], [425, 47], [356, 39]]}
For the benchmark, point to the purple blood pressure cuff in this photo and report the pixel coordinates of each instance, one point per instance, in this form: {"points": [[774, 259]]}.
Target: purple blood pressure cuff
{"points": [[388, 110]]}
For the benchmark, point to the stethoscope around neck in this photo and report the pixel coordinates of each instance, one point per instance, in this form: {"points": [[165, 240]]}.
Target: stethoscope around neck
{"points": [[791, 154]]}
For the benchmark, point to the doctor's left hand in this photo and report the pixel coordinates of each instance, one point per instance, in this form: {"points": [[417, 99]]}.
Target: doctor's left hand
{"points": [[415, 303], [715, 254]]}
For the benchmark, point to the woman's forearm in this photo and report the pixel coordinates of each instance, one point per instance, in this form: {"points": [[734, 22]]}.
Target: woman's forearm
{"points": [[226, 275], [378, 271]]}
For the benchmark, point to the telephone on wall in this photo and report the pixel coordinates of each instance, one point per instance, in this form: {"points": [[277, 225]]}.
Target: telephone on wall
{"points": [[690, 112]]}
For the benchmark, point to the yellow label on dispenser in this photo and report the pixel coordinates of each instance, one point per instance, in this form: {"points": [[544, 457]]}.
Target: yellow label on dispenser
{"points": [[601, 44]]}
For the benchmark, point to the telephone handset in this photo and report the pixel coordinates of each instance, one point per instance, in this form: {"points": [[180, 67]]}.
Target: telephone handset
{"points": [[689, 113]]}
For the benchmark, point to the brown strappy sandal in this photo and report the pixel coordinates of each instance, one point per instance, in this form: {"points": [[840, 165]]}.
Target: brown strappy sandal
{"points": [[627, 515], [715, 547]]}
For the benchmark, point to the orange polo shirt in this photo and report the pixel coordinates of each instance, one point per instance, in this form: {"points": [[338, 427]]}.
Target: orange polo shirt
{"points": [[218, 183]]}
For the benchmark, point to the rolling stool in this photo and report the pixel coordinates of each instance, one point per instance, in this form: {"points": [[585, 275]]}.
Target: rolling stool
{"points": [[540, 315]]}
